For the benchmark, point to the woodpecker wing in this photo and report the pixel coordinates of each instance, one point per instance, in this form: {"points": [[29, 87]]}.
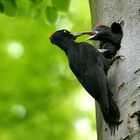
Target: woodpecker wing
{"points": [[89, 69], [95, 81]]}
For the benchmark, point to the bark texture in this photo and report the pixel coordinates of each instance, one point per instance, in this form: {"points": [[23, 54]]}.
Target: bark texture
{"points": [[124, 75]]}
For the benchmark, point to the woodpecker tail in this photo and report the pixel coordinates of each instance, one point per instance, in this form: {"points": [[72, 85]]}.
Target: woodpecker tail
{"points": [[112, 114]]}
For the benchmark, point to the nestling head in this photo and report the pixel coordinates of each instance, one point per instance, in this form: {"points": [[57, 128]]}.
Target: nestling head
{"points": [[99, 32], [102, 31]]}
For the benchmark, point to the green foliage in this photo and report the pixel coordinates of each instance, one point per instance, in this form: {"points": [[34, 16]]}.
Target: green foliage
{"points": [[61, 6], [1, 7], [10, 7], [34, 8], [51, 14], [39, 95]]}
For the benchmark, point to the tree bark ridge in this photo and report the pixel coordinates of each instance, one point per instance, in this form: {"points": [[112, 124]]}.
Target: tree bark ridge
{"points": [[124, 75]]}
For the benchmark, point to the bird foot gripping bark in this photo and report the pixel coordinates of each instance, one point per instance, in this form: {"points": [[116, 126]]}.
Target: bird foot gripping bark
{"points": [[116, 58]]}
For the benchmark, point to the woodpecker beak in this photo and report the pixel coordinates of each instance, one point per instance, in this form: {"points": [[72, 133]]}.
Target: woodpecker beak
{"points": [[77, 34], [92, 35]]}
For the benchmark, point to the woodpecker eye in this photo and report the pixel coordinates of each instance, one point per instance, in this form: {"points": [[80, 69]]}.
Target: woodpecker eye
{"points": [[65, 31]]}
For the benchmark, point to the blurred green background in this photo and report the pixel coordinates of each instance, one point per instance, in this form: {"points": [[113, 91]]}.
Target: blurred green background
{"points": [[40, 98]]}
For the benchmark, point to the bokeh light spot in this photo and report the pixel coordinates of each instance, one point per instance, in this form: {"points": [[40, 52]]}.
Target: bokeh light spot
{"points": [[84, 101], [15, 50], [84, 129], [83, 126], [64, 23], [18, 111]]}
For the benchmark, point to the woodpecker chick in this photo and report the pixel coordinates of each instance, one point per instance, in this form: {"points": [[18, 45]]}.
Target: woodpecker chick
{"points": [[109, 36]]}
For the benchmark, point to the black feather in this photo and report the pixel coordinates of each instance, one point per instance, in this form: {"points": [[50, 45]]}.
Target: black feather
{"points": [[90, 67]]}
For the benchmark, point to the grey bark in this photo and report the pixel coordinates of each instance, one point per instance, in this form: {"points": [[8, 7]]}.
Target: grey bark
{"points": [[124, 75]]}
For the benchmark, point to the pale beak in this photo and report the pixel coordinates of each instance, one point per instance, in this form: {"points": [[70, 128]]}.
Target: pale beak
{"points": [[92, 35], [102, 50], [78, 34]]}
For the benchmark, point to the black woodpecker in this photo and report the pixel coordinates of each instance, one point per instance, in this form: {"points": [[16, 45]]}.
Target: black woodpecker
{"points": [[90, 67]]}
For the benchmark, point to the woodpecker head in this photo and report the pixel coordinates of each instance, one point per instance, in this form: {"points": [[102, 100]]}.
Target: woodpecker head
{"points": [[61, 35], [105, 32]]}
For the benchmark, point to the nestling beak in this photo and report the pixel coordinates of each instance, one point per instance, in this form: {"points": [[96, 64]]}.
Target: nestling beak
{"points": [[92, 35]]}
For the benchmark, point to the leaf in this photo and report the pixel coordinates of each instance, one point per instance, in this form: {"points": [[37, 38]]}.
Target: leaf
{"points": [[36, 1], [32, 1], [36, 13], [10, 7], [51, 14], [1, 7], [61, 6]]}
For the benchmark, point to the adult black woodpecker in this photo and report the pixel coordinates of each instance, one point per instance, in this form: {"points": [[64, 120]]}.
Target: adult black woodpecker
{"points": [[90, 67], [109, 36]]}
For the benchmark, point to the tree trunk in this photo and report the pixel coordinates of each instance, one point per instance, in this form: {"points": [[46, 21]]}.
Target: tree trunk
{"points": [[124, 75]]}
